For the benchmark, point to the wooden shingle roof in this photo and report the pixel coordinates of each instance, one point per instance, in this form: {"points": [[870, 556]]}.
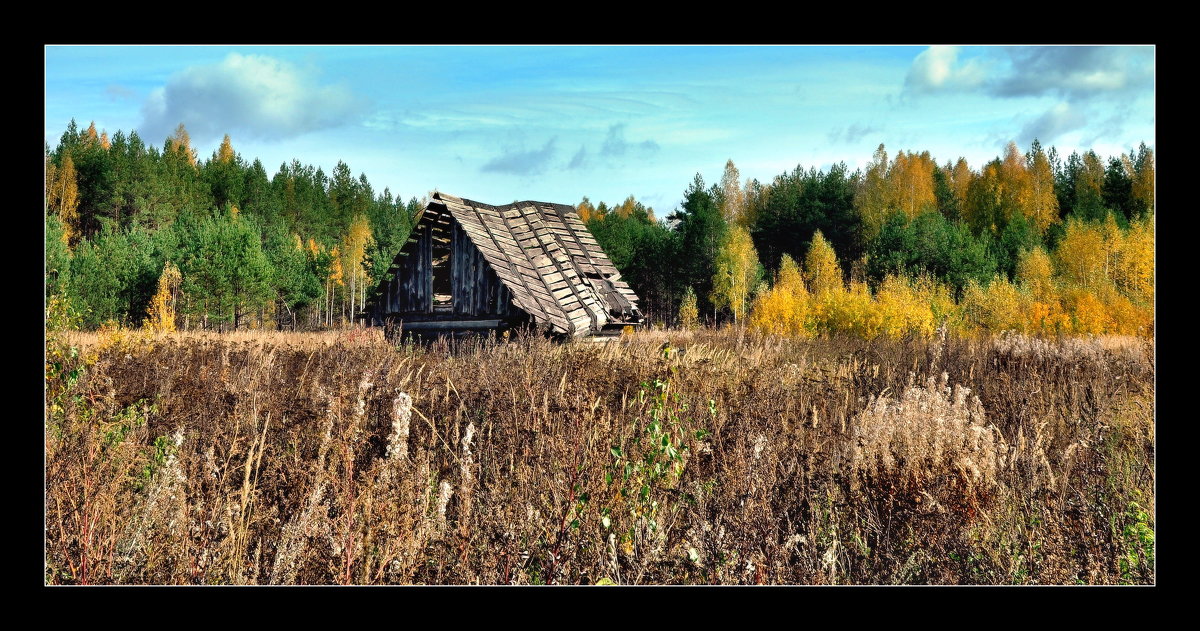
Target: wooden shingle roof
{"points": [[544, 254]]}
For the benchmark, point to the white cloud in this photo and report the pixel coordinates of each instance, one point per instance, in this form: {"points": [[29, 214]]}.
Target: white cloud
{"points": [[247, 95], [936, 69]]}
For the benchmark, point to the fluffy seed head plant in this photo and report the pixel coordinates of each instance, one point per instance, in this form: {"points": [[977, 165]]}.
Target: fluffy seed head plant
{"points": [[929, 430]]}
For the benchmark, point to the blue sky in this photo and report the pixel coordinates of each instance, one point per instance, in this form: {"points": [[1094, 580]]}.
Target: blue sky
{"points": [[498, 124]]}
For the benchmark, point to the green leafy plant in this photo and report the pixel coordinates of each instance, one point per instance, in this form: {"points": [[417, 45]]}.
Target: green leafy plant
{"points": [[1138, 536], [645, 470]]}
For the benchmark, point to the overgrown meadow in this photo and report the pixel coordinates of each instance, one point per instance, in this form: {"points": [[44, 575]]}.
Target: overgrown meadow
{"points": [[719, 456]]}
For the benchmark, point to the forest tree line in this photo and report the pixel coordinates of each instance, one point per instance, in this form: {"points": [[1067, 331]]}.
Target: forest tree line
{"points": [[1030, 241], [139, 235]]}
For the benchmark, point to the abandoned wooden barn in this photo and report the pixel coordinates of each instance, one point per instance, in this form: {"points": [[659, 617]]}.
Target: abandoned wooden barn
{"points": [[469, 266]]}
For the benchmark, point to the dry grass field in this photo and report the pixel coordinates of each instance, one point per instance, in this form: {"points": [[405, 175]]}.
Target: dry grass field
{"points": [[725, 458]]}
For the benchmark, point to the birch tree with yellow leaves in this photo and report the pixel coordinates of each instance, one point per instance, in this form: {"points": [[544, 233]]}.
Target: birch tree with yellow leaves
{"points": [[737, 272], [1042, 208], [871, 196], [733, 200], [1015, 188], [821, 269], [353, 252], [783, 309], [910, 184], [62, 197], [161, 315]]}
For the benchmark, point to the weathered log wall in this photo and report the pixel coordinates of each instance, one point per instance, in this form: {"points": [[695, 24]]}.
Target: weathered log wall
{"points": [[476, 290]]}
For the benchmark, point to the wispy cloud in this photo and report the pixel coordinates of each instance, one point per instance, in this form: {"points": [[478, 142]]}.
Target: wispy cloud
{"points": [[1084, 80], [579, 160], [251, 95], [615, 145], [852, 134], [1073, 73], [522, 162], [1109, 128], [118, 92], [1077, 72], [445, 119], [1058, 120]]}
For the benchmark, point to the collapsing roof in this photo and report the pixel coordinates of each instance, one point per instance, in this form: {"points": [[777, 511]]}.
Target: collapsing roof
{"points": [[545, 257]]}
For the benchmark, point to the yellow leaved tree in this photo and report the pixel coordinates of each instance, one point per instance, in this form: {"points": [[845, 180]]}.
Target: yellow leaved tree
{"points": [[62, 196], [783, 309], [1016, 191], [733, 201], [225, 153], [90, 136], [334, 281], [737, 272], [1134, 271], [821, 269], [904, 309], [1042, 207], [871, 197], [689, 314], [586, 210], [960, 177], [910, 184], [161, 314], [1081, 254], [181, 143], [353, 253]]}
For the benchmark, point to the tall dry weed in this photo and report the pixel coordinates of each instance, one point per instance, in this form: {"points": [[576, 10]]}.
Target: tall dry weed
{"points": [[202, 459]]}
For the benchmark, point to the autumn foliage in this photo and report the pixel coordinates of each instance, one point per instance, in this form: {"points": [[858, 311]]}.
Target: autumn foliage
{"points": [[1099, 281], [1030, 241]]}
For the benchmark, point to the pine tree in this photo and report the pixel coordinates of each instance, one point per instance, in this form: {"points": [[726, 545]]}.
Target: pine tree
{"points": [[1143, 179], [701, 230]]}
